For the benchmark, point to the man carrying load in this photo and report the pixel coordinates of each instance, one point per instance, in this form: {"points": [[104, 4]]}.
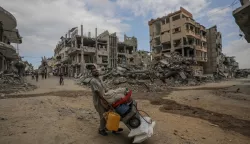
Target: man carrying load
{"points": [[100, 104]]}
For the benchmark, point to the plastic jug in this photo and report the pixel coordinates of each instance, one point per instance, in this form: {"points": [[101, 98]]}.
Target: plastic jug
{"points": [[113, 121]]}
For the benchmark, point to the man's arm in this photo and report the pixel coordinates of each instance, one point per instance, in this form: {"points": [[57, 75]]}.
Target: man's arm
{"points": [[97, 91]]}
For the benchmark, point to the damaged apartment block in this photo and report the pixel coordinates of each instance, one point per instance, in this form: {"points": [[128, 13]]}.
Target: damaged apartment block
{"points": [[74, 52], [179, 32], [215, 55]]}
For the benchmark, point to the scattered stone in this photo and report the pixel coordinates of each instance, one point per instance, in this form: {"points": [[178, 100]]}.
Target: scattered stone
{"points": [[175, 132], [2, 95], [120, 80], [80, 118], [3, 119], [196, 98]]}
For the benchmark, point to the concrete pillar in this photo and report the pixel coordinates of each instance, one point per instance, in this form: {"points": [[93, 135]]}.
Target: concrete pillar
{"points": [[182, 45], [1, 31], [1, 63], [124, 49], [76, 43], [96, 44], [77, 58], [171, 34], [82, 53], [188, 53]]}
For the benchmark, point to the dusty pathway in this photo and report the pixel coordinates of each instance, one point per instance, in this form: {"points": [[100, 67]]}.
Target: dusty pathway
{"points": [[53, 115]]}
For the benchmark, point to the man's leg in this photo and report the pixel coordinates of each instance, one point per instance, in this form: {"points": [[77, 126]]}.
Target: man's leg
{"points": [[102, 128]]}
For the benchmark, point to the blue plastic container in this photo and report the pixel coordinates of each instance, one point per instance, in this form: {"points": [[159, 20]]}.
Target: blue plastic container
{"points": [[122, 109]]}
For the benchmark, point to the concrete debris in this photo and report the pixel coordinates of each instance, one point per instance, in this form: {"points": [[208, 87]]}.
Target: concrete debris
{"points": [[171, 71], [12, 83], [241, 73]]}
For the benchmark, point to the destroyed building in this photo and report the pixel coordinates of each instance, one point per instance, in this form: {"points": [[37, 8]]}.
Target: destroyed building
{"points": [[242, 18], [8, 35], [74, 52], [50, 64], [214, 52], [179, 32], [231, 66], [142, 58]]}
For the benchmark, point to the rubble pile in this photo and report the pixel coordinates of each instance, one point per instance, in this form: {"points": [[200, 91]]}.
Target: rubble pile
{"points": [[241, 73], [170, 71], [12, 83]]}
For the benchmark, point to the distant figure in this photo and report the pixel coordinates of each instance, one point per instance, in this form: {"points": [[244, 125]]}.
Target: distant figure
{"points": [[32, 75], [37, 75], [42, 75], [61, 79]]}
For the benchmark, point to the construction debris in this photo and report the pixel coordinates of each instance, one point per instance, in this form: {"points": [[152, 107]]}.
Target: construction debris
{"points": [[12, 83], [171, 71], [241, 73]]}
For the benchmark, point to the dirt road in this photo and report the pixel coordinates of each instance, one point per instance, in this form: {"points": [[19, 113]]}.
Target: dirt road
{"points": [[55, 114]]}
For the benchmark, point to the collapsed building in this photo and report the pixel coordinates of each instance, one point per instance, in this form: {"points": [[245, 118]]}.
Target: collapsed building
{"points": [[9, 34], [231, 66], [179, 32], [74, 52], [142, 58], [242, 18], [12, 68]]}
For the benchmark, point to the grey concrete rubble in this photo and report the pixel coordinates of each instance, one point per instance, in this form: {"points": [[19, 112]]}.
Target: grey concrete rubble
{"points": [[12, 83], [242, 73], [170, 71]]}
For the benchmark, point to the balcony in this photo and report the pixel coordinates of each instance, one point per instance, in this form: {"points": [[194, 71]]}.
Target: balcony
{"points": [[7, 47], [75, 63], [89, 49], [201, 59], [65, 59], [191, 33], [102, 52], [203, 38], [191, 21], [73, 50], [57, 63], [7, 50], [8, 20]]}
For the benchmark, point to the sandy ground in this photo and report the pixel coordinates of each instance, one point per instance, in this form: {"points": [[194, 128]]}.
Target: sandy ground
{"points": [[54, 114]]}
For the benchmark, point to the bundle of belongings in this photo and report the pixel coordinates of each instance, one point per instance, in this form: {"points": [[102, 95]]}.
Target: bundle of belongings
{"points": [[141, 128], [114, 96]]}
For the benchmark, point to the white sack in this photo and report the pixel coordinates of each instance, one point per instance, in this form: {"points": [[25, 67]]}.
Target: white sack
{"points": [[143, 137], [113, 95], [142, 129]]}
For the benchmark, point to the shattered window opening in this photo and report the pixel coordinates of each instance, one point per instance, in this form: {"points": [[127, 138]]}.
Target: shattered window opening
{"points": [[176, 17]]}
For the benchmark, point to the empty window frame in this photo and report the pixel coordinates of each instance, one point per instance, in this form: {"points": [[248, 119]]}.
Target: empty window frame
{"points": [[176, 17], [176, 30]]}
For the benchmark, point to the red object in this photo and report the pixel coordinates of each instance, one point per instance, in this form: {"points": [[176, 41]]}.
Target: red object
{"points": [[123, 100]]}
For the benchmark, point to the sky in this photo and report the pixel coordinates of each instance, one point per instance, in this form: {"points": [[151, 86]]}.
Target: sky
{"points": [[41, 23]]}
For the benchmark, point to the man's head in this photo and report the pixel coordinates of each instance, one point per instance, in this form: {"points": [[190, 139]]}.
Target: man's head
{"points": [[95, 72]]}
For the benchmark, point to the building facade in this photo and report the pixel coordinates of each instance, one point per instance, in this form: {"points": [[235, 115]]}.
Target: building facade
{"points": [[242, 18], [74, 52], [214, 52], [8, 35], [179, 32]]}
